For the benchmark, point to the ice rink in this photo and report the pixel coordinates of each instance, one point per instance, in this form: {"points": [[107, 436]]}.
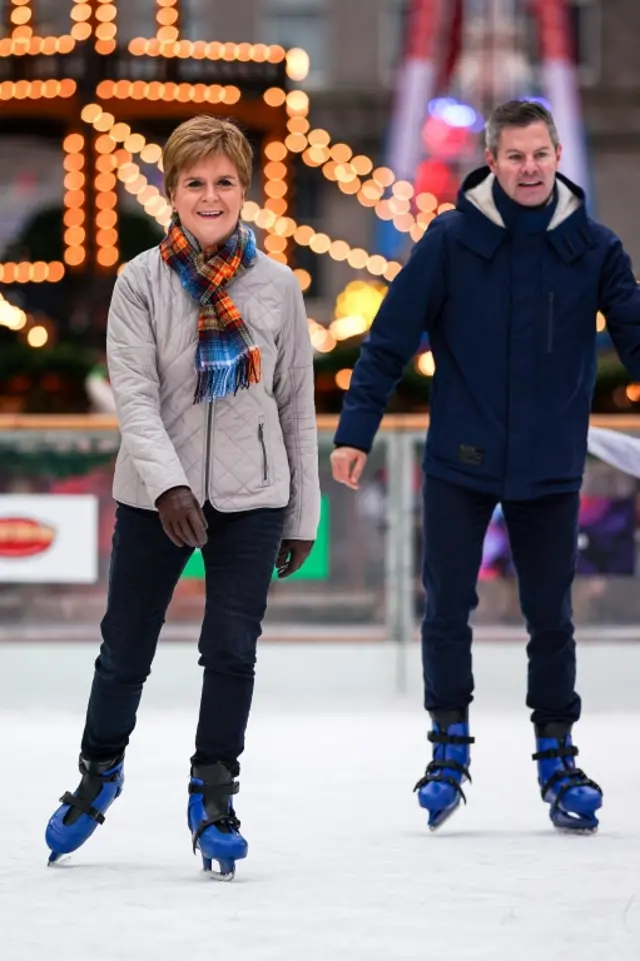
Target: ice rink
{"points": [[340, 863]]}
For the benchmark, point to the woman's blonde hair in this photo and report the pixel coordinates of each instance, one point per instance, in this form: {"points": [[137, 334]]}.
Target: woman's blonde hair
{"points": [[201, 137]]}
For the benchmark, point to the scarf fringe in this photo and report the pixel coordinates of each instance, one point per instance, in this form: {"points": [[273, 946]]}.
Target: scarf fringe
{"points": [[220, 379]]}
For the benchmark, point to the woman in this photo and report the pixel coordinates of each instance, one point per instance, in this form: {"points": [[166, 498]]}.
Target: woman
{"points": [[211, 367]]}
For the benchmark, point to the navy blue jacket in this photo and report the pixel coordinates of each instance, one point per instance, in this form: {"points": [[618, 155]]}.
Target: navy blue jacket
{"points": [[510, 312]]}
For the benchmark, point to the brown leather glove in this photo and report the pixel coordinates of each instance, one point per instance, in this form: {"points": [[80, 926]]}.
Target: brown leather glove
{"points": [[292, 555], [182, 518]]}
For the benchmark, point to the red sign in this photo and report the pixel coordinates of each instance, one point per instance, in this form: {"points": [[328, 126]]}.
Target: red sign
{"points": [[24, 537]]}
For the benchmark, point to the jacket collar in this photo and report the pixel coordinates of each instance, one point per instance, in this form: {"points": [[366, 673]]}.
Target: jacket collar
{"points": [[569, 231]]}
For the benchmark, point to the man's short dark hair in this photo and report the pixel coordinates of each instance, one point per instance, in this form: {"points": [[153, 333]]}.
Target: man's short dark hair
{"points": [[517, 113]]}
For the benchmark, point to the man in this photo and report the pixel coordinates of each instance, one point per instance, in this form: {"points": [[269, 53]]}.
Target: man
{"points": [[507, 287]]}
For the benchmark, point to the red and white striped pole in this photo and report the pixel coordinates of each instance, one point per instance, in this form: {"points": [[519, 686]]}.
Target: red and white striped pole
{"points": [[415, 86], [560, 85]]}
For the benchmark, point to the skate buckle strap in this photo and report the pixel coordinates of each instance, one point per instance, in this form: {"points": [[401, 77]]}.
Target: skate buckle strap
{"points": [[435, 770], [555, 752], [228, 820], [82, 805], [440, 737], [573, 777], [214, 792]]}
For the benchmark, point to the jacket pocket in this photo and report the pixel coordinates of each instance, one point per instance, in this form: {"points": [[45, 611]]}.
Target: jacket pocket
{"points": [[263, 453], [550, 323]]}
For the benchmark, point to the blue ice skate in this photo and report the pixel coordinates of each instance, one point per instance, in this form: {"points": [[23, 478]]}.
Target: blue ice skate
{"points": [[212, 820], [81, 812], [573, 797], [440, 790]]}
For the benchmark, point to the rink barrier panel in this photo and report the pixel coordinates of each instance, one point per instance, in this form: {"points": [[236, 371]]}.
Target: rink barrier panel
{"points": [[373, 592]]}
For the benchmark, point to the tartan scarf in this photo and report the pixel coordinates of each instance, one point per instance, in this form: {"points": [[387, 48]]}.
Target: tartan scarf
{"points": [[226, 357]]}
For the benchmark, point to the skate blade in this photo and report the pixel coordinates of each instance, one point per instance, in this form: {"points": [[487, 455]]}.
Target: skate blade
{"points": [[57, 860], [442, 818], [227, 870], [586, 831]]}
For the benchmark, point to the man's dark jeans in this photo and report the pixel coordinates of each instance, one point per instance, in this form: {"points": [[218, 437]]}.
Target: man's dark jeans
{"points": [[239, 560], [544, 542]]}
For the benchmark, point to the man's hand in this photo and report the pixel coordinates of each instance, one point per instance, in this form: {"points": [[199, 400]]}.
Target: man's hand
{"points": [[182, 518], [292, 555], [347, 465]]}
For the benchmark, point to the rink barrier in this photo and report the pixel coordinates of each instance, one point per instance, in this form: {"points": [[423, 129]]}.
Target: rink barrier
{"points": [[372, 590]]}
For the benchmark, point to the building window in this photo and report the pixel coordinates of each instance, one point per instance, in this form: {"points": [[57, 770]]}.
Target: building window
{"points": [[196, 20], [299, 23], [585, 24], [135, 20]]}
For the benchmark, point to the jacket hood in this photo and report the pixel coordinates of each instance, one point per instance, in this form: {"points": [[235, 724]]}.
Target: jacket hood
{"points": [[477, 190]]}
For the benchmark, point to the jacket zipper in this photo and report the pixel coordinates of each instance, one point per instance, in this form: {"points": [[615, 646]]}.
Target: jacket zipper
{"points": [[207, 451], [550, 324], [265, 463]]}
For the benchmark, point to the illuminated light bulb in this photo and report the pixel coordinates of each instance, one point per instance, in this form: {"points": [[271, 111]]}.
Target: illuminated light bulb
{"points": [[350, 187], [250, 210], [416, 232], [402, 189], [275, 170], [106, 219], [298, 125], [39, 271], [303, 277], [105, 47], [106, 200], [104, 144], [265, 219], [298, 64], [56, 272], [273, 243], [105, 181], [424, 218], [329, 170], [383, 211], [73, 161], [120, 132], [304, 235], [319, 138], [341, 153], [384, 176], [75, 256], [397, 206], [81, 31], [105, 32], [104, 122], [91, 112], [74, 180], [68, 87], [105, 163], [275, 150], [73, 143], [128, 173], [232, 94], [106, 12], [403, 222], [135, 143], [320, 243], [426, 202], [23, 272], [444, 207], [74, 236], [74, 198], [392, 270], [276, 54], [107, 256], [37, 336], [275, 188], [148, 193], [73, 217], [357, 258], [343, 378], [105, 90], [21, 89], [425, 364], [137, 46], [107, 237], [376, 264], [285, 226], [339, 250], [199, 50]]}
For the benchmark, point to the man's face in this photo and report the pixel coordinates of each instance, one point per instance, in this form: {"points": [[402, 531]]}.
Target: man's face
{"points": [[526, 163]]}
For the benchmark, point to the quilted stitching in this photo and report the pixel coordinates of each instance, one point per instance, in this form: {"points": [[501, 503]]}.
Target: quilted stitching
{"points": [[164, 434]]}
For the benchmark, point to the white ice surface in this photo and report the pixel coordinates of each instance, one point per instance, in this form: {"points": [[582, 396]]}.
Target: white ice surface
{"points": [[341, 866]]}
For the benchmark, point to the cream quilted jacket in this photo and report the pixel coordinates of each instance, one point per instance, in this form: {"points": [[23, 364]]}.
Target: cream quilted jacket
{"points": [[258, 448]]}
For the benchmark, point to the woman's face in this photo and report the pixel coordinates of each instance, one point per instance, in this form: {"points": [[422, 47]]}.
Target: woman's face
{"points": [[208, 198]]}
